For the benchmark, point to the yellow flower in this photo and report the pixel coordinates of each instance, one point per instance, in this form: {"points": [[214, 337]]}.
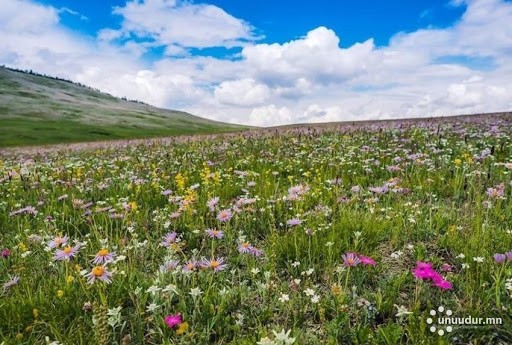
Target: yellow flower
{"points": [[19, 336], [60, 293], [35, 312], [133, 205], [69, 279], [182, 328], [28, 329], [22, 247], [457, 162]]}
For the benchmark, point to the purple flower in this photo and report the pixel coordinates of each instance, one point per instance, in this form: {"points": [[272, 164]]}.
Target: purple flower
{"points": [[366, 260], [169, 239], [214, 233], [294, 222], [66, 253], [216, 264], [104, 256], [99, 272], [10, 283], [224, 215], [212, 203], [350, 259], [499, 258], [190, 266], [173, 320], [5, 253], [169, 266], [58, 241]]}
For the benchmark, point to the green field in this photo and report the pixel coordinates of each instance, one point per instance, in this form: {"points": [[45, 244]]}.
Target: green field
{"points": [[36, 110], [331, 235]]}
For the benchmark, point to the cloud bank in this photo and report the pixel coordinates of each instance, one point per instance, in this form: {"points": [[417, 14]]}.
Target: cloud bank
{"points": [[465, 68]]}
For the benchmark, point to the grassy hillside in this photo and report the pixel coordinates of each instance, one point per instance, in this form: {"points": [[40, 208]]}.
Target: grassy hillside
{"points": [[37, 110]]}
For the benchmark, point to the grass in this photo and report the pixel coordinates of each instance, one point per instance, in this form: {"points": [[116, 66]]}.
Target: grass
{"points": [[295, 202], [36, 110]]}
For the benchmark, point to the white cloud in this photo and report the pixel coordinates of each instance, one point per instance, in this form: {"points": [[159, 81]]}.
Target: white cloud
{"points": [[182, 23], [422, 73]]}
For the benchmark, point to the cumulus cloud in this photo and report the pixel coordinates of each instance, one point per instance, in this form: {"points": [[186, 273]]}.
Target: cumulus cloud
{"points": [[465, 68]]}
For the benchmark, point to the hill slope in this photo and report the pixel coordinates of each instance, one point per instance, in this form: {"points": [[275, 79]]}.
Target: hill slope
{"points": [[37, 110]]}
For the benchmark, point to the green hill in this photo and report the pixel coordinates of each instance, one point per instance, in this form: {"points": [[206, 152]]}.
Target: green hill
{"points": [[36, 110]]}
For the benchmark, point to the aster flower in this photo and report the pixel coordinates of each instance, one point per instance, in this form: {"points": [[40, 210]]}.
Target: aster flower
{"points": [[509, 256], [169, 239], [58, 241], [10, 283], [67, 253], [212, 203], [214, 233], [224, 215], [245, 247], [294, 222], [99, 272], [190, 266], [217, 264], [350, 259], [173, 320], [169, 266], [104, 256], [499, 258]]}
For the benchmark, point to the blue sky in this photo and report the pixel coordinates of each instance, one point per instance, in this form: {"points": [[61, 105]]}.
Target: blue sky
{"points": [[274, 62]]}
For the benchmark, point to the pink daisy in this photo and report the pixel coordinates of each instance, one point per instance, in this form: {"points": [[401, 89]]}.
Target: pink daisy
{"points": [[66, 253], [224, 215], [214, 233], [58, 241], [215, 264], [169, 239], [350, 259]]}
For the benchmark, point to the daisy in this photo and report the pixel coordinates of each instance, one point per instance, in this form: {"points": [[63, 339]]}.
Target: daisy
{"points": [[215, 264], [169, 239], [350, 259], [104, 256], [190, 266], [212, 203], [10, 283], [245, 247], [67, 253], [99, 272], [214, 233], [169, 266], [58, 241], [294, 221], [224, 215]]}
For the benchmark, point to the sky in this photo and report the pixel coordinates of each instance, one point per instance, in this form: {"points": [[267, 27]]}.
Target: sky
{"points": [[268, 63]]}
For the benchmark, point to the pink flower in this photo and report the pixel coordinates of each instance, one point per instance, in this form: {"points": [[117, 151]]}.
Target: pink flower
{"points": [[214, 233], [443, 284], [425, 271], [366, 260], [294, 222], [173, 320], [66, 253], [224, 215], [169, 239], [216, 264], [5, 253]]}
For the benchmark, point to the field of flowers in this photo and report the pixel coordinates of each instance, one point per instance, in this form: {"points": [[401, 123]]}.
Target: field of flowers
{"points": [[332, 235]]}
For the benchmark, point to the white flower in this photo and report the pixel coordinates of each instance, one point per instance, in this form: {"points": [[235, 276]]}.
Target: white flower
{"points": [[171, 288], [296, 263], [195, 292], [465, 266], [309, 292], [153, 289], [284, 337], [310, 271], [266, 341], [152, 307], [315, 299], [329, 244], [284, 298], [255, 271], [402, 311], [478, 259], [460, 256], [296, 281]]}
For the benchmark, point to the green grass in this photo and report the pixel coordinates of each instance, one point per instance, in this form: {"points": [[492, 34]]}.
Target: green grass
{"points": [[443, 205], [36, 110]]}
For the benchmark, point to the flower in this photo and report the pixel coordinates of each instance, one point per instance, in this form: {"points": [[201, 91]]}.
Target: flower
{"points": [[173, 320], [366, 260], [5, 253], [58, 241], [402, 311], [99, 272], [350, 259], [169, 266], [284, 337], [190, 266], [425, 271], [284, 298], [67, 253], [294, 222], [499, 258], [169, 239], [104, 256], [11, 282], [244, 247], [266, 341], [214, 233], [195, 292], [215, 264], [212, 203], [182, 328], [224, 215]]}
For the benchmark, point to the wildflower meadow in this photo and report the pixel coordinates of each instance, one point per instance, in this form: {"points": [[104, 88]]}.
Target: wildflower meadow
{"points": [[340, 234]]}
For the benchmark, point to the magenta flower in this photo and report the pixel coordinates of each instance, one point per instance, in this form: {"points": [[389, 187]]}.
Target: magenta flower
{"points": [[169, 239], [224, 215], [173, 320], [425, 271], [214, 233], [500, 258], [366, 260], [350, 259], [66, 253], [5, 253]]}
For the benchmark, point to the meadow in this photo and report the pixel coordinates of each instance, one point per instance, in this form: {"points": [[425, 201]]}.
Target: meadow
{"points": [[332, 235]]}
